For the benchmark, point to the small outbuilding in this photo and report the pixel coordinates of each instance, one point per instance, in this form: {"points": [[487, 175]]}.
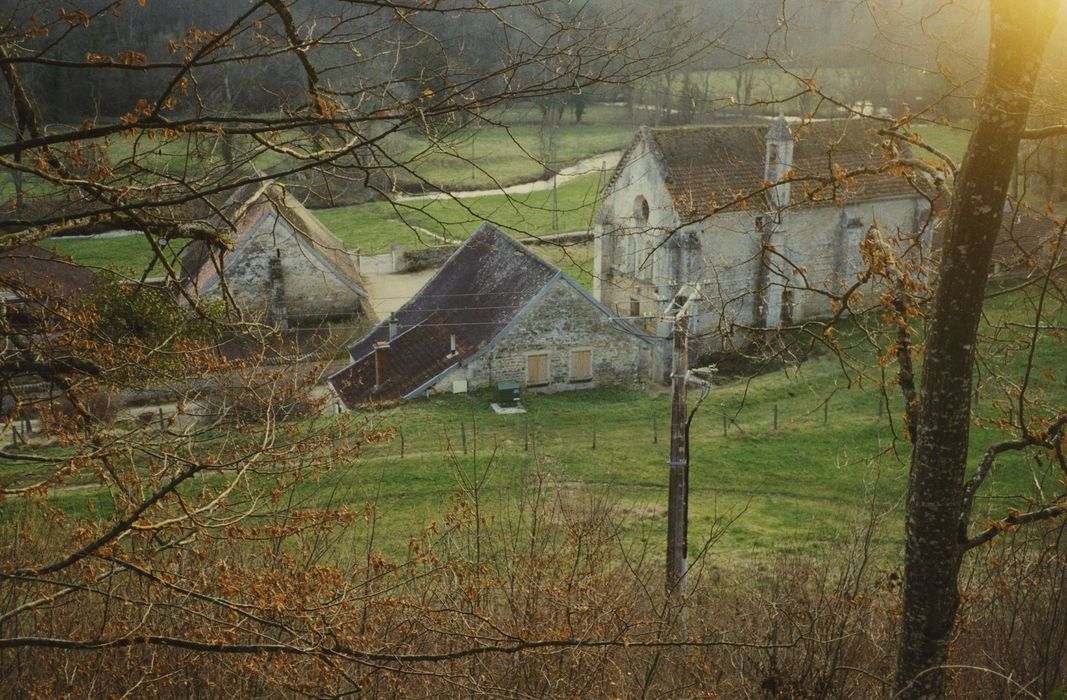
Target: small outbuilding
{"points": [[285, 267], [494, 312], [32, 278]]}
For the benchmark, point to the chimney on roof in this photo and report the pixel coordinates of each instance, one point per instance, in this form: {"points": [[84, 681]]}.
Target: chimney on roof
{"points": [[452, 352], [778, 161], [381, 363], [277, 314], [392, 326]]}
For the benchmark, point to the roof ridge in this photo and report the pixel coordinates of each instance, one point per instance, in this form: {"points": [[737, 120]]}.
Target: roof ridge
{"points": [[493, 229], [617, 172]]}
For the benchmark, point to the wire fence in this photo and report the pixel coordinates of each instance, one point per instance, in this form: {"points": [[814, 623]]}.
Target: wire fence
{"points": [[622, 429]]}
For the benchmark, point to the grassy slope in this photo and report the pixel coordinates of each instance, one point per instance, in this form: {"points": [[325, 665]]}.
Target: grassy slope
{"points": [[129, 255], [950, 140], [504, 156], [798, 488], [373, 227]]}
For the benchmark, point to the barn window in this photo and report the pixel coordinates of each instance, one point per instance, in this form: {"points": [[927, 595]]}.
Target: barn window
{"points": [[581, 365], [635, 308], [641, 210], [537, 369], [787, 306]]}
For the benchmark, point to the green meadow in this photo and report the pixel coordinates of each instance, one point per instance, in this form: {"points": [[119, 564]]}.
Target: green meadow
{"points": [[795, 459], [835, 459]]}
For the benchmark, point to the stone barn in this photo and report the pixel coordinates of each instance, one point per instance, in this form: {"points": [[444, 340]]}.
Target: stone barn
{"points": [[494, 312], [761, 218], [285, 266]]}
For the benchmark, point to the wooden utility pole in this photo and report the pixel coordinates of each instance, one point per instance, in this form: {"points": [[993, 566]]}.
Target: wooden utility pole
{"points": [[678, 484]]}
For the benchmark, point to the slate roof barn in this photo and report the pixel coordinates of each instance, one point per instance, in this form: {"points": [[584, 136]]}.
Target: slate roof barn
{"points": [[490, 305], [284, 263]]}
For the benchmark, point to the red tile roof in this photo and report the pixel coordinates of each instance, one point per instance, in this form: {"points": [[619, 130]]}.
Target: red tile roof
{"points": [[29, 270], [710, 167]]}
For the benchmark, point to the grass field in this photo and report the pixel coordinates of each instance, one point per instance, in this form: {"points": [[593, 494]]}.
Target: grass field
{"points": [[489, 154], [127, 255], [950, 140], [834, 458], [373, 227], [505, 146]]}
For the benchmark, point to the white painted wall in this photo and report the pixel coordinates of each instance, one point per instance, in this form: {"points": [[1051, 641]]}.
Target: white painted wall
{"points": [[817, 248]]}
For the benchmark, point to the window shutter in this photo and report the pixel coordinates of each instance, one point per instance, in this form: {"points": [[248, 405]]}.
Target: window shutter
{"points": [[581, 365], [537, 369]]}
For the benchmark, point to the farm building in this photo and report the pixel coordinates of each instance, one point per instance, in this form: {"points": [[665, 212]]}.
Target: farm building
{"points": [[31, 277], [494, 312], [756, 216], [285, 267]]}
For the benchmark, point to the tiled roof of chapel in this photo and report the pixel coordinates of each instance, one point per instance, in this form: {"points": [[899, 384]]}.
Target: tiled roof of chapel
{"points": [[711, 167]]}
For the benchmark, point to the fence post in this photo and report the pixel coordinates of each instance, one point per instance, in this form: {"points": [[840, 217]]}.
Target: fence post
{"points": [[526, 436], [725, 424], [776, 418], [655, 430], [463, 435], [594, 436], [401, 432], [826, 411]]}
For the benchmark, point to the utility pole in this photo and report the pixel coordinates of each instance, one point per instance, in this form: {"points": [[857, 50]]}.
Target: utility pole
{"points": [[678, 483]]}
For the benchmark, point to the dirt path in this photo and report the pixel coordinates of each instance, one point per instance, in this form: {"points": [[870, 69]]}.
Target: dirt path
{"points": [[601, 162], [389, 290]]}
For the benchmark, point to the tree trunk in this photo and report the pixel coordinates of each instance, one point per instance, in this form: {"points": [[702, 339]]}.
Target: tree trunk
{"points": [[933, 553]]}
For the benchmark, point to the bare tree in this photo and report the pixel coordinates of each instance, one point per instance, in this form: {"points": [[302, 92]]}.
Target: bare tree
{"points": [[203, 523]]}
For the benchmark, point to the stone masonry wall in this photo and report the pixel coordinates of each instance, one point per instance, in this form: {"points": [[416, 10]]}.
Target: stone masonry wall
{"points": [[628, 252], [312, 289], [562, 321], [820, 240]]}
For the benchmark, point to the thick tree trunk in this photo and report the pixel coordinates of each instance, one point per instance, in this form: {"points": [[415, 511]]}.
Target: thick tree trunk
{"points": [[1020, 31]]}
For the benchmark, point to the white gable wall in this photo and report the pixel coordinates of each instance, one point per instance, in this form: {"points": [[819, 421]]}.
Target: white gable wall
{"points": [[561, 321], [312, 289], [818, 246], [631, 262]]}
